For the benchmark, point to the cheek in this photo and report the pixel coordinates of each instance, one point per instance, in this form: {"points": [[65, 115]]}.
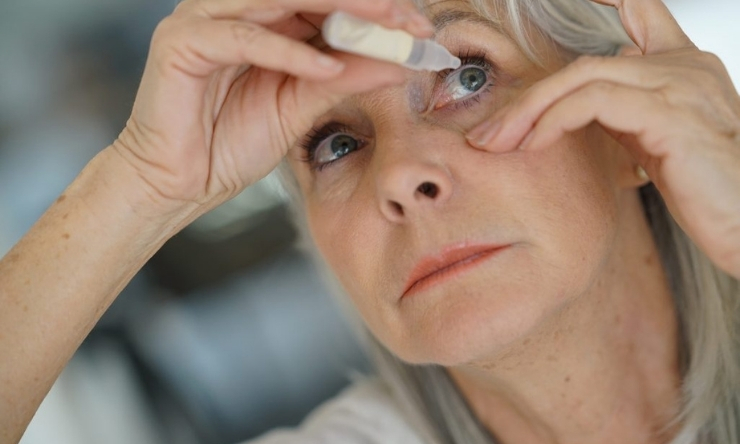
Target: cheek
{"points": [[562, 206], [577, 209], [341, 229], [560, 202]]}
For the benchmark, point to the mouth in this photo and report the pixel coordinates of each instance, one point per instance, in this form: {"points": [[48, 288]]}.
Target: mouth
{"points": [[453, 261]]}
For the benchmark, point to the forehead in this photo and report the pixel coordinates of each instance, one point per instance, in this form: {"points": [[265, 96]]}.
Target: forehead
{"points": [[443, 13], [458, 23]]}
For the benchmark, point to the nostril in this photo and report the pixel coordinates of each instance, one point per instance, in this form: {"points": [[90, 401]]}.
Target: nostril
{"points": [[428, 189], [397, 208]]}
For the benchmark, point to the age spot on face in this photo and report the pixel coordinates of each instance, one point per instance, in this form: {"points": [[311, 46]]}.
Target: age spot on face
{"points": [[416, 97]]}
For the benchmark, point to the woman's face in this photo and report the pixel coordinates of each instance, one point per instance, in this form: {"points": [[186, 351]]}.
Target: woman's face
{"points": [[393, 192]]}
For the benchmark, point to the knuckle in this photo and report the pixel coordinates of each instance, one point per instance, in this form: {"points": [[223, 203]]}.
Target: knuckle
{"points": [[387, 6], [170, 42], [602, 88], [587, 63], [711, 60], [164, 32], [183, 7], [706, 82], [247, 33]]}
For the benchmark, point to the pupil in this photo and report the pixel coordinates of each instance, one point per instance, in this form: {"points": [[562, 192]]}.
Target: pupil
{"points": [[473, 79], [342, 145]]}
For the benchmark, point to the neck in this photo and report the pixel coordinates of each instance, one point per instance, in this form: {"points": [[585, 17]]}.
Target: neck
{"points": [[603, 370]]}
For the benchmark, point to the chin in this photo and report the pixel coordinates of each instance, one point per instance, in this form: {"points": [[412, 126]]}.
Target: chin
{"points": [[485, 316], [491, 311], [471, 323]]}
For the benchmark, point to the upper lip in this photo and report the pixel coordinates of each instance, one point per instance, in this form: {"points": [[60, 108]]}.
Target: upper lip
{"points": [[449, 256]]}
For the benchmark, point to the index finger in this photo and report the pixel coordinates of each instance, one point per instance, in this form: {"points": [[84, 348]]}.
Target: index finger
{"points": [[389, 13], [650, 25]]}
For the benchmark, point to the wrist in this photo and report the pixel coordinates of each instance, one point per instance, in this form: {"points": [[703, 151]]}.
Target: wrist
{"points": [[120, 198]]}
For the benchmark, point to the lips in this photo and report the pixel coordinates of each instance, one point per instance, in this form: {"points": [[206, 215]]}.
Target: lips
{"points": [[451, 261]]}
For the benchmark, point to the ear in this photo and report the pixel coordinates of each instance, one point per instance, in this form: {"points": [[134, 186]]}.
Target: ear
{"points": [[629, 172], [617, 162]]}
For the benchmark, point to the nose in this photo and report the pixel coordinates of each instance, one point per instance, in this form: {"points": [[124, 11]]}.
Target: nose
{"points": [[407, 187]]}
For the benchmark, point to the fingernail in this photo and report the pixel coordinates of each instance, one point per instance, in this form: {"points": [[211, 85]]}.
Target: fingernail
{"points": [[330, 63], [527, 141], [422, 23], [400, 17], [484, 134], [480, 129]]}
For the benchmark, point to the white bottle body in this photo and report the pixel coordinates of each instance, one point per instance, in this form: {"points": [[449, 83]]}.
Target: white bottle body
{"points": [[347, 33]]}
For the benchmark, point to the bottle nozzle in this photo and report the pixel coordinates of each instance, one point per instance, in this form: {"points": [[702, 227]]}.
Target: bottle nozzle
{"points": [[431, 56], [348, 33]]}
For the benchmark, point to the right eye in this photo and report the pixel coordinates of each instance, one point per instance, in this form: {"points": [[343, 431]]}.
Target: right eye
{"points": [[328, 144], [334, 148]]}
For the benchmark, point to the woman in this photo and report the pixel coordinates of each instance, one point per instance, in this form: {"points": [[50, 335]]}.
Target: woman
{"points": [[494, 226]]}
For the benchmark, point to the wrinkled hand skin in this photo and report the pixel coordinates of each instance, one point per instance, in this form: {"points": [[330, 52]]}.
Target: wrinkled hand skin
{"points": [[228, 88], [231, 85], [672, 106]]}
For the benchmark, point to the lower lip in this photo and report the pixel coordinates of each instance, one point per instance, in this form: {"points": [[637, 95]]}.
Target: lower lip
{"points": [[451, 271]]}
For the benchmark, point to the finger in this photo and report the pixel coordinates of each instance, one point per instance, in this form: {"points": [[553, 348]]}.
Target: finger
{"points": [[389, 13], [305, 101], [360, 75], [650, 25], [199, 47], [296, 27], [624, 111], [507, 127]]}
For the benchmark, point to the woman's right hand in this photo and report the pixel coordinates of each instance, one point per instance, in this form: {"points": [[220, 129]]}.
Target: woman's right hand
{"points": [[230, 85], [228, 88]]}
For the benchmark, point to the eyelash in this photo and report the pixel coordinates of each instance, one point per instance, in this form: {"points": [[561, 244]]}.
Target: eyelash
{"points": [[477, 58], [313, 139], [470, 57]]}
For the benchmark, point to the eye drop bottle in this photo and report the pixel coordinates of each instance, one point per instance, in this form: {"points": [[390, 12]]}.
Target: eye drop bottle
{"points": [[347, 33]]}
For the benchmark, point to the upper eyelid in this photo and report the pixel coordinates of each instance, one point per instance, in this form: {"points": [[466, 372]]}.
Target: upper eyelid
{"points": [[444, 79], [467, 58], [309, 142]]}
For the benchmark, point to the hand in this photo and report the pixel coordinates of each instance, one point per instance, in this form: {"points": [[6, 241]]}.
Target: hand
{"points": [[230, 85], [673, 107]]}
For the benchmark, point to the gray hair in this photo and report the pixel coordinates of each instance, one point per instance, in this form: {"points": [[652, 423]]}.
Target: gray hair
{"points": [[707, 299]]}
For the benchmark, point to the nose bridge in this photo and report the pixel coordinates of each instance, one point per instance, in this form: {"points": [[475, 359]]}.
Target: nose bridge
{"points": [[409, 169], [400, 137]]}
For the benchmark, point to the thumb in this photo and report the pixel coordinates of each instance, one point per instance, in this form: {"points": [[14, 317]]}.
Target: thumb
{"points": [[361, 75]]}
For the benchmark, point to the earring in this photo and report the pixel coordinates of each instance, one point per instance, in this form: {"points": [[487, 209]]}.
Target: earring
{"points": [[642, 174]]}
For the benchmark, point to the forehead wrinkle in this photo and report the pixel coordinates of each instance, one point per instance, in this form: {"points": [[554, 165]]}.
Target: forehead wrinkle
{"points": [[442, 14], [378, 104], [452, 16]]}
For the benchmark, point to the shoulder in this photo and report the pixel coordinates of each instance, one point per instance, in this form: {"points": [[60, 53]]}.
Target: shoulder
{"points": [[363, 413]]}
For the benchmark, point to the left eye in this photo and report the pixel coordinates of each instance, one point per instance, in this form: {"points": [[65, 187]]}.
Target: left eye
{"points": [[465, 82], [334, 148]]}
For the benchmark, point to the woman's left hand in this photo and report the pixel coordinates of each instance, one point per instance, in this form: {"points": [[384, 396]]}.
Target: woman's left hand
{"points": [[673, 107]]}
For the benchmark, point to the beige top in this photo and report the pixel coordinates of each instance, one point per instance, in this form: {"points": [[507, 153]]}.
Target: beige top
{"points": [[364, 413]]}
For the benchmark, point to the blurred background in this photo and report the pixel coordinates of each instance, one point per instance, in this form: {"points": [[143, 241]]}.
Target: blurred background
{"points": [[228, 331]]}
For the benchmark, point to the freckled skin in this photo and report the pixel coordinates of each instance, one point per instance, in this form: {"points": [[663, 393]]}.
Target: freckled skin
{"points": [[543, 311]]}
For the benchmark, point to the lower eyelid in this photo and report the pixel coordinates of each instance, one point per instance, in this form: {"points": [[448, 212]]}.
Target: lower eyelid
{"points": [[477, 97], [362, 143], [445, 79]]}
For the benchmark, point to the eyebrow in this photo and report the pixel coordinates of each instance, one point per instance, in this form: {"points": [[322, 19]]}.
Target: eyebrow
{"points": [[451, 16]]}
